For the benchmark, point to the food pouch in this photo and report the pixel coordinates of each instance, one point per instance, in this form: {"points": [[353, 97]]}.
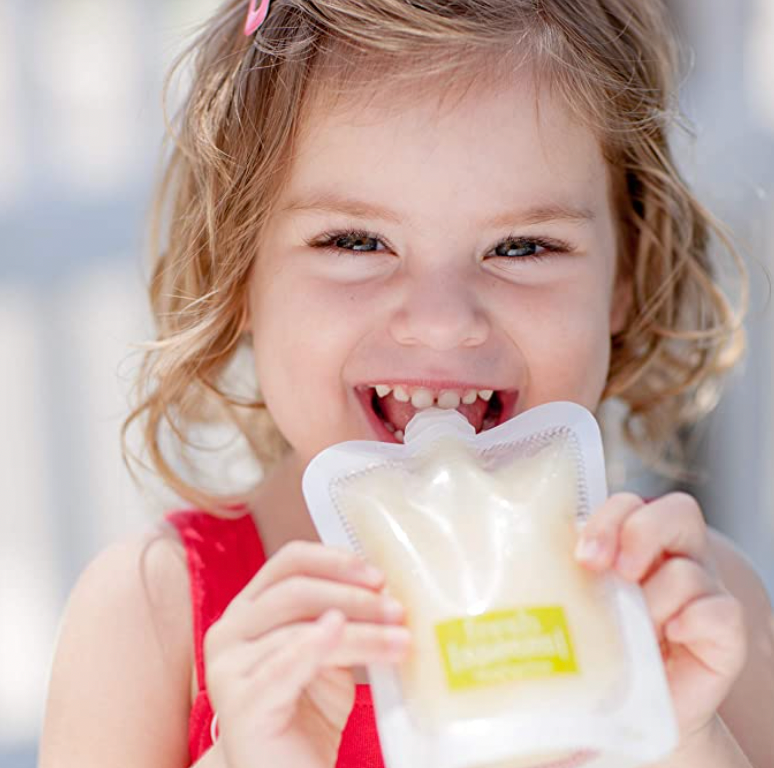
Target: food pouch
{"points": [[520, 656]]}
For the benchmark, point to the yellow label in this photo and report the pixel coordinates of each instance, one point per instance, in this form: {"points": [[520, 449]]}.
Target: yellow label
{"points": [[503, 646]]}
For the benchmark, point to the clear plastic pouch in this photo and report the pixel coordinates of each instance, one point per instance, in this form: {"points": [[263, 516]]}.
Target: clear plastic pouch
{"points": [[520, 656]]}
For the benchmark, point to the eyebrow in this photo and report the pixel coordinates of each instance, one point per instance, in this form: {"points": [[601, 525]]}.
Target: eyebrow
{"points": [[331, 202]]}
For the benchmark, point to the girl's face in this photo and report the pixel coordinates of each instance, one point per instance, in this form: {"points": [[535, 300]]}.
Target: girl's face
{"points": [[448, 247]]}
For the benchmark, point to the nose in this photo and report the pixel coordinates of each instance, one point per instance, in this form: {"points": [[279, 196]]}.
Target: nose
{"points": [[440, 312]]}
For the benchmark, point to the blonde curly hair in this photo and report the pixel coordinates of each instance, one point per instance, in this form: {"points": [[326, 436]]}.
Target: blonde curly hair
{"points": [[614, 63]]}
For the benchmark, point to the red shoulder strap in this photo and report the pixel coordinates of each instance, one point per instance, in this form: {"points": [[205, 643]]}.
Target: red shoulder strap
{"points": [[223, 555], [360, 746]]}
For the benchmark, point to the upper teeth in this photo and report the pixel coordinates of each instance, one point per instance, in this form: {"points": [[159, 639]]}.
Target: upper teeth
{"points": [[421, 397]]}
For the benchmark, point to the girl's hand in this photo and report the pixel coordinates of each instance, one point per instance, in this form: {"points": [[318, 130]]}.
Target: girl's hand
{"points": [[277, 661], [664, 547]]}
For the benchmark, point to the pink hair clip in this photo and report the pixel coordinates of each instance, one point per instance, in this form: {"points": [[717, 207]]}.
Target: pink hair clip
{"points": [[256, 15]]}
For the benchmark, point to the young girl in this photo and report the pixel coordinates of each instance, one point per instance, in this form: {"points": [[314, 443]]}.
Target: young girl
{"points": [[397, 203]]}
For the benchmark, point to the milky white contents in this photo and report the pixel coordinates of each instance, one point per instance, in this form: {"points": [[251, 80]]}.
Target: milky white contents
{"points": [[456, 540]]}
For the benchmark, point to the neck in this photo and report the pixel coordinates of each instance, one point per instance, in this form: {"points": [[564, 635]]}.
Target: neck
{"points": [[278, 506], [281, 514]]}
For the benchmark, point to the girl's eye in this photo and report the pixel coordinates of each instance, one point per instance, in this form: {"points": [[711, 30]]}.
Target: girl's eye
{"points": [[519, 249], [352, 241], [511, 249]]}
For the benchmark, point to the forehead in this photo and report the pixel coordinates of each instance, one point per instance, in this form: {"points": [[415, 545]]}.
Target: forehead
{"points": [[481, 145]]}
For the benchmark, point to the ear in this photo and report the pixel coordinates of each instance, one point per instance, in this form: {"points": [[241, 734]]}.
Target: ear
{"points": [[620, 305]]}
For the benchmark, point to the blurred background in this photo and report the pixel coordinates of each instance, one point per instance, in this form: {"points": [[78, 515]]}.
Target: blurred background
{"points": [[80, 129]]}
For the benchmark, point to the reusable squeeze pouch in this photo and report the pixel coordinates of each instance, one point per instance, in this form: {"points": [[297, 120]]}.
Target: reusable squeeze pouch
{"points": [[520, 657]]}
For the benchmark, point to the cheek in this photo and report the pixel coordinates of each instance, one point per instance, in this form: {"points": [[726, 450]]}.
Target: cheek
{"points": [[303, 333], [299, 324], [569, 354]]}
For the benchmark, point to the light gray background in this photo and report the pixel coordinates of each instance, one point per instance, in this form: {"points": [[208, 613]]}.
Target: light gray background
{"points": [[80, 123]]}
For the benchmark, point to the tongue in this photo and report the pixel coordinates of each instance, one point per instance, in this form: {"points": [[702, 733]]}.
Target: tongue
{"points": [[400, 414]]}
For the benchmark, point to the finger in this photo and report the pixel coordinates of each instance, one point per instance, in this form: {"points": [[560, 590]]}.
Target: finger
{"points": [[598, 542], [370, 644], [671, 587], [307, 558], [303, 598], [713, 629], [671, 526], [294, 665], [360, 644]]}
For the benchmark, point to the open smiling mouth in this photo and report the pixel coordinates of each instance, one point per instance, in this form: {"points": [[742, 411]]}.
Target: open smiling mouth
{"points": [[390, 408]]}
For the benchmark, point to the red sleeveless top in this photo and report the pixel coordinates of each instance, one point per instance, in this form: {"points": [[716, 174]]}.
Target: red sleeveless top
{"points": [[223, 555]]}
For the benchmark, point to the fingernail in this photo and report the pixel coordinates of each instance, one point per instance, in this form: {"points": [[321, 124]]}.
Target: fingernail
{"points": [[331, 618], [372, 574], [588, 550], [399, 638], [392, 609]]}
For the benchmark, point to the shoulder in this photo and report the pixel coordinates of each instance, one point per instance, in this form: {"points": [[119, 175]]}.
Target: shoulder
{"points": [[120, 680], [748, 707], [739, 576]]}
